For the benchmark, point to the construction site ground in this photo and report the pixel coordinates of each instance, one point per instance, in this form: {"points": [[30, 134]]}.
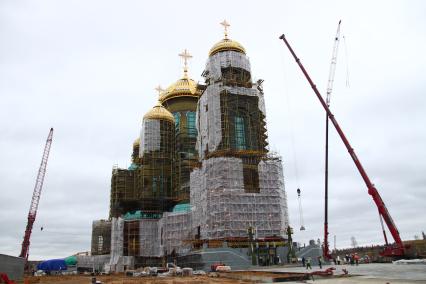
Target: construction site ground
{"points": [[364, 273], [121, 279]]}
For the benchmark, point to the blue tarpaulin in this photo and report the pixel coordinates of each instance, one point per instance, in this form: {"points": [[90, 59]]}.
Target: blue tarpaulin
{"points": [[52, 265]]}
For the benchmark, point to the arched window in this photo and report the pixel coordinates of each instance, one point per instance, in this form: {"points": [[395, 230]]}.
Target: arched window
{"points": [[177, 120], [100, 244], [190, 122], [240, 134]]}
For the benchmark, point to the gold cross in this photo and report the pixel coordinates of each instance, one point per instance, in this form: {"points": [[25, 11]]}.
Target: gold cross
{"points": [[185, 55], [225, 25], [159, 90]]}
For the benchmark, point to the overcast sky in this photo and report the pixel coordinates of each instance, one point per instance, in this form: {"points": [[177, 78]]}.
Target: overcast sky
{"points": [[89, 69]]}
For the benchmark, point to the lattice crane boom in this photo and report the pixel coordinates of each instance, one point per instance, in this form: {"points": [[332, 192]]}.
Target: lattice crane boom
{"points": [[36, 196], [333, 63], [332, 72]]}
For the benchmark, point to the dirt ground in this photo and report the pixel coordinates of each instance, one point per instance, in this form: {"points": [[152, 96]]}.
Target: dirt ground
{"points": [[120, 279]]}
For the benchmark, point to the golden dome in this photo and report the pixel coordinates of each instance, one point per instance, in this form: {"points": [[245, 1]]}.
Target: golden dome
{"points": [[137, 142], [227, 44], [159, 112], [184, 87]]}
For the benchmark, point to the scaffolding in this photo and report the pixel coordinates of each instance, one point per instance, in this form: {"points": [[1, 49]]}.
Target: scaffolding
{"points": [[131, 238], [183, 107], [239, 185], [150, 238], [92, 263], [229, 59], [101, 237], [231, 110], [176, 228], [186, 158], [155, 175], [205, 179], [222, 207], [123, 191], [117, 261], [117, 226]]}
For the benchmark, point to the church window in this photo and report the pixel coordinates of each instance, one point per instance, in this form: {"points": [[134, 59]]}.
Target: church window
{"points": [[100, 244], [177, 120], [154, 184], [240, 135], [190, 122]]}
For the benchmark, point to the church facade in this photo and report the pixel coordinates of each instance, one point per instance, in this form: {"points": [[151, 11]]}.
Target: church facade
{"points": [[202, 186]]}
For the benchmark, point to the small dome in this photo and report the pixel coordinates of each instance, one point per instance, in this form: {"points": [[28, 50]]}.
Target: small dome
{"points": [[137, 142], [227, 45], [159, 112], [184, 87]]}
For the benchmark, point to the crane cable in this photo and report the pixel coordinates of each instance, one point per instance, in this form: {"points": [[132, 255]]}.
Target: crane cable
{"points": [[302, 222], [292, 142], [346, 61]]}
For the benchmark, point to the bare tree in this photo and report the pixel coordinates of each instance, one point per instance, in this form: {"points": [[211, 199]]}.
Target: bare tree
{"points": [[354, 243]]}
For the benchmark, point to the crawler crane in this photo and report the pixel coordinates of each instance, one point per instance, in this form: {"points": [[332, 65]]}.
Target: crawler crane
{"points": [[391, 250], [36, 197]]}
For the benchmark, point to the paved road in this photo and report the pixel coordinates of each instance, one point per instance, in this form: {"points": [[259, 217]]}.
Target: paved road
{"points": [[370, 273]]}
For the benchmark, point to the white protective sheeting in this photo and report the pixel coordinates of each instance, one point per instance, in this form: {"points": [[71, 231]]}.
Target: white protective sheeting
{"points": [[177, 228], [225, 59], [150, 136], [208, 110], [95, 262], [149, 237], [221, 207], [117, 227]]}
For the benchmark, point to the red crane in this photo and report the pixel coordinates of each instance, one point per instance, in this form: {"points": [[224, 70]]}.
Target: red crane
{"points": [[398, 248], [36, 197]]}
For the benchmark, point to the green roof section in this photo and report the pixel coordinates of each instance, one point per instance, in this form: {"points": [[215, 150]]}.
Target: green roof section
{"points": [[183, 207], [136, 215], [71, 260], [133, 167]]}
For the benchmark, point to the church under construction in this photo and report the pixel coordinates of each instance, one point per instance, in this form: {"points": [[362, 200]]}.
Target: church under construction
{"points": [[202, 187]]}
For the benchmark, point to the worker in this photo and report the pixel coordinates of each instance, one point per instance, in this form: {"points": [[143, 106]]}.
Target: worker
{"points": [[319, 262], [303, 261], [338, 260], [308, 263], [356, 257]]}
